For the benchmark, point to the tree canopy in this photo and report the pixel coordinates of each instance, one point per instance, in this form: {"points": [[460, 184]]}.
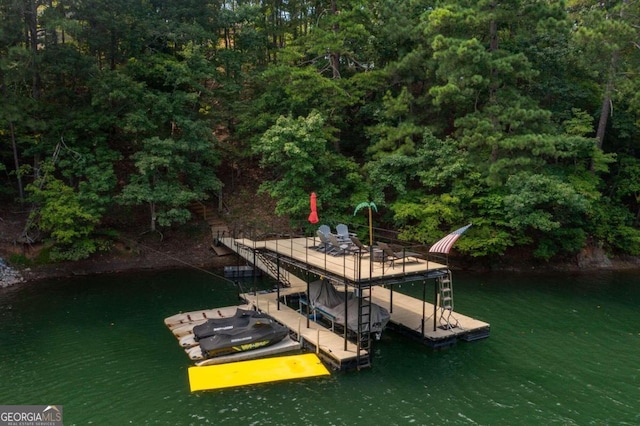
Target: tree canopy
{"points": [[521, 117]]}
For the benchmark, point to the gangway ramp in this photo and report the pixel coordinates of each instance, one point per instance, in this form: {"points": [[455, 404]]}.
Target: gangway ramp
{"points": [[245, 248]]}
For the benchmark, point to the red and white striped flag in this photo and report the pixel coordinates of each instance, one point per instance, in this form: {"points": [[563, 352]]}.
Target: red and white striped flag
{"points": [[445, 244]]}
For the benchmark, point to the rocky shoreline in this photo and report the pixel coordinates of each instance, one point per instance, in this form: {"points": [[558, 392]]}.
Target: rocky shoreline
{"points": [[172, 253], [200, 256], [9, 276]]}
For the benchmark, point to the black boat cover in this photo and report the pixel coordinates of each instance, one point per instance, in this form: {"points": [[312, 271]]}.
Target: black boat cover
{"points": [[260, 331], [212, 326]]}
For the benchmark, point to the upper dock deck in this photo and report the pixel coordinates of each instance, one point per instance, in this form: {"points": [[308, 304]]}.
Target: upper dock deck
{"points": [[356, 268]]}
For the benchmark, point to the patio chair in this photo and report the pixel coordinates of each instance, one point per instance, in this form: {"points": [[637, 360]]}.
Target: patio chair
{"points": [[342, 232], [390, 255], [362, 249], [324, 229], [325, 244], [321, 233], [341, 247]]}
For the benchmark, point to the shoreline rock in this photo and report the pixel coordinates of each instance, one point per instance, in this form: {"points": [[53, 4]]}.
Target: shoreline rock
{"points": [[8, 275]]}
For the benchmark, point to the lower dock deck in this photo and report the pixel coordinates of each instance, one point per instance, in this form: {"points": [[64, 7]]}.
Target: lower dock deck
{"points": [[407, 319]]}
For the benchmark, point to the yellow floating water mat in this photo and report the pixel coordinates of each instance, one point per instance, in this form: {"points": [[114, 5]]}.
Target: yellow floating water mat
{"points": [[256, 371]]}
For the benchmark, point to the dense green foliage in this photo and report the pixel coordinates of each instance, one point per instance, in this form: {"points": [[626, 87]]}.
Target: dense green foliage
{"points": [[442, 112]]}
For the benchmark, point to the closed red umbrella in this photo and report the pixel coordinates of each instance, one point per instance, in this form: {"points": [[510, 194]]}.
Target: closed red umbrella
{"points": [[313, 216]]}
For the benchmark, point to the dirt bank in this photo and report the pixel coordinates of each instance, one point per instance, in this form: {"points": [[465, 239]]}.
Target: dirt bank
{"points": [[191, 247], [186, 246], [174, 251], [130, 252]]}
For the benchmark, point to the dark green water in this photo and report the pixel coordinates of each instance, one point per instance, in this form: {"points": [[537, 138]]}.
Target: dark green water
{"points": [[564, 349]]}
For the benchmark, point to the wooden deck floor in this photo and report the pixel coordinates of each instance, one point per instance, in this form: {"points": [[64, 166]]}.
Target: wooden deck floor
{"points": [[406, 312], [407, 316], [353, 267]]}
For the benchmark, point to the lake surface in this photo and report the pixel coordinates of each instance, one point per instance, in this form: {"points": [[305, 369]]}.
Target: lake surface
{"points": [[564, 349]]}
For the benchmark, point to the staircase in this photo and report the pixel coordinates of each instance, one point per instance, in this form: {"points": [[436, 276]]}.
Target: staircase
{"points": [[445, 293], [216, 224], [364, 327], [272, 267], [264, 263]]}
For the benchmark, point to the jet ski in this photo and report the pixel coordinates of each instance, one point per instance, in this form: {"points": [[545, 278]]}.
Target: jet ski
{"points": [[245, 331], [213, 326]]}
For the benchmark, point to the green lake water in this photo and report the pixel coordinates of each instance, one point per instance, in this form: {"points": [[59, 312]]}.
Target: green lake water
{"points": [[564, 349]]}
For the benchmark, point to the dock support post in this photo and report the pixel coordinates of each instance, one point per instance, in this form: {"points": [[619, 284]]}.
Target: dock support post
{"points": [[424, 304], [308, 301], [435, 305], [255, 272], [346, 311], [278, 282]]}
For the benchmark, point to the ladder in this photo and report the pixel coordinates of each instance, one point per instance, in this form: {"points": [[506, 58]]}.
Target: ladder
{"points": [[445, 293], [364, 326]]}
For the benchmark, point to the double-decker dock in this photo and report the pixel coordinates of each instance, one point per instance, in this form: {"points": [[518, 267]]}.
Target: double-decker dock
{"points": [[371, 275]]}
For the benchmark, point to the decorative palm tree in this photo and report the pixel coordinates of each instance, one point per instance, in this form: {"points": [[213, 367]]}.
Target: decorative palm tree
{"points": [[371, 206]]}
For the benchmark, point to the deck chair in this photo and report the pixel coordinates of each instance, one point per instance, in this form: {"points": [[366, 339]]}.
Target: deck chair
{"points": [[342, 232], [322, 232], [325, 245], [390, 255], [341, 247], [361, 248], [324, 229]]}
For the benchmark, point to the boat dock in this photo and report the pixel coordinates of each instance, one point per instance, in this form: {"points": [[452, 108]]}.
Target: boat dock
{"points": [[371, 277]]}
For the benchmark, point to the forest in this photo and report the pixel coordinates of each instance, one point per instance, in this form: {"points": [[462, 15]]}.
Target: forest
{"points": [[521, 117]]}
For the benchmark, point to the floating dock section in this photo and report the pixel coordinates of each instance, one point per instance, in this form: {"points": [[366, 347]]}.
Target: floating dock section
{"points": [[241, 368], [181, 326], [241, 272]]}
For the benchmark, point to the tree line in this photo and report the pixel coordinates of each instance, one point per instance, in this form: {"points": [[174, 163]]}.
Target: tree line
{"points": [[521, 116]]}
